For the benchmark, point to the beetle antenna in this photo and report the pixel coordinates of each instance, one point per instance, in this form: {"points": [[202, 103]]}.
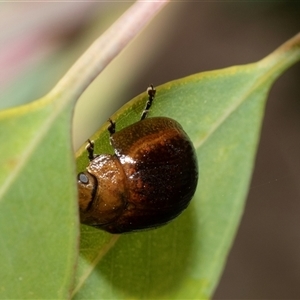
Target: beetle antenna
{"points": [[151, 94]]}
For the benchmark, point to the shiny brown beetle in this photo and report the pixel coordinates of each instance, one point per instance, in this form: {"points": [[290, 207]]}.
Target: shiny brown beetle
{"points": [[149, 180]]}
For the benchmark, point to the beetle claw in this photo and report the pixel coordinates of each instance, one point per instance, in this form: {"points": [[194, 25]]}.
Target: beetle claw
{"points": [[90, 149], [151, 94], [112, 127]]}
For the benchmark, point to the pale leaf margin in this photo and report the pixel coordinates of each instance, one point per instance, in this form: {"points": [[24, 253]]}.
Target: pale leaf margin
{"points": [[105, 49]]}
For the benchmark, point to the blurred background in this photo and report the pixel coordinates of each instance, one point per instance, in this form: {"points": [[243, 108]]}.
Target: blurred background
{"points": [[40, 41]]}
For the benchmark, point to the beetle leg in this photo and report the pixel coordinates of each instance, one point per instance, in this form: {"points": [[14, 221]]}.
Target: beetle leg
{"points": [[90, 149], [112, 127], [151, 94]]}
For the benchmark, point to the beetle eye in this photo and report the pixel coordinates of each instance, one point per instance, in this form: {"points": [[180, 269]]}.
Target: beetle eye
{"points": [[83, 178]]}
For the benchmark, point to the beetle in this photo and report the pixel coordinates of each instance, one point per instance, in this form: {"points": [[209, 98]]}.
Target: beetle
{"points": [[149, 180]]}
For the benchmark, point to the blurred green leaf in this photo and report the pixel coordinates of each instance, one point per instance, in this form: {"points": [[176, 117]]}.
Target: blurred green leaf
{"points": [[39, 234], [222, 112]]}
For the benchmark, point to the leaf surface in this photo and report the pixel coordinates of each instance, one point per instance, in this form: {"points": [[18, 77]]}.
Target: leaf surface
{"points": [[222, 111], [37, 207]]}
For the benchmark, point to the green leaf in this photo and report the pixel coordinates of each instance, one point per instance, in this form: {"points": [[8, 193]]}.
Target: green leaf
{"points": [[39, 234], [222, 112]]}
